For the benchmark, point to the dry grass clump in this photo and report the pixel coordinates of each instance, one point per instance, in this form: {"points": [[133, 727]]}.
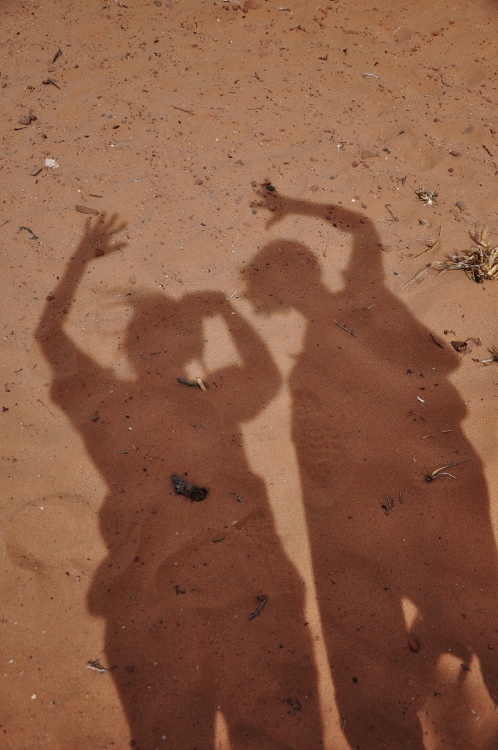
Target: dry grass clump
{"points": [[480, 262]]}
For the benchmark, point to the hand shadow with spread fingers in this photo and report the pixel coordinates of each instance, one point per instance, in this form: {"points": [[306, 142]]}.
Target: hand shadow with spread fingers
{"points": [[405, 568], [181, 578]]}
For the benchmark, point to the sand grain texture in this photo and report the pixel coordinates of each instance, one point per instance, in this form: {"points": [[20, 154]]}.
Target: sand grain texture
{"points": [[332, 387]]}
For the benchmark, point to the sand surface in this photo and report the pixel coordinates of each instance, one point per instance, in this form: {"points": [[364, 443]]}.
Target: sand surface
{"points": [[252, 170]]}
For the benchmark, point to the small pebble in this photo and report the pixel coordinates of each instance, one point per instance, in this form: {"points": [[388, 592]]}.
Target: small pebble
{"points": [[424, 222], [133, 278], [272, 207], [314, 188], [469, 129], [413, 646], [24, 120], [368, 154], [198, 181], [455, 153], [49, 297], [461, 205], [35, 170]]}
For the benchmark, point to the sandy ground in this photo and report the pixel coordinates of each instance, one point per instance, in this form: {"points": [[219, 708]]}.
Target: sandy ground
{"points": [[252, 171]]}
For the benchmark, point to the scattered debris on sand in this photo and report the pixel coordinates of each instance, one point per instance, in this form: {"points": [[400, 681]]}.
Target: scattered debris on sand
{"points": [[426, 196], [182, 487]]}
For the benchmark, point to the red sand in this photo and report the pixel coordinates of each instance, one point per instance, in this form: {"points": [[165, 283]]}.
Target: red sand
{"points": [[332, 388]]}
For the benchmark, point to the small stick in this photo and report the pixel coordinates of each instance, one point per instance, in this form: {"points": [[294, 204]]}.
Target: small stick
{"points": [[46, 407], [86, 210], [200, 384], [57, 54], [388, 505], [191, 383], [487, 150], [180, 109], [370, 74], [437, 472], [258, 609], [351, 332], [49, 80], [438, 343], [395, 218]]}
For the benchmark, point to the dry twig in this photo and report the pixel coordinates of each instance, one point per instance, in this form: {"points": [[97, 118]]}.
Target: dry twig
{"points": [[440, 472]]}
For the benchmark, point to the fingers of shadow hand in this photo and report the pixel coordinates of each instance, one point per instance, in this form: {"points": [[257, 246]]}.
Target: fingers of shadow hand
{"points": [[98, 235]]}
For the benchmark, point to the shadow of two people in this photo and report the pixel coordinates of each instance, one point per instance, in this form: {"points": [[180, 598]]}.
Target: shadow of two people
{"points": [[176, 599]]}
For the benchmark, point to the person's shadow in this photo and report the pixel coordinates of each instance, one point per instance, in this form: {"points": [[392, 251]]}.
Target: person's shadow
{"points": [[204, 611], [404, 555]]}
